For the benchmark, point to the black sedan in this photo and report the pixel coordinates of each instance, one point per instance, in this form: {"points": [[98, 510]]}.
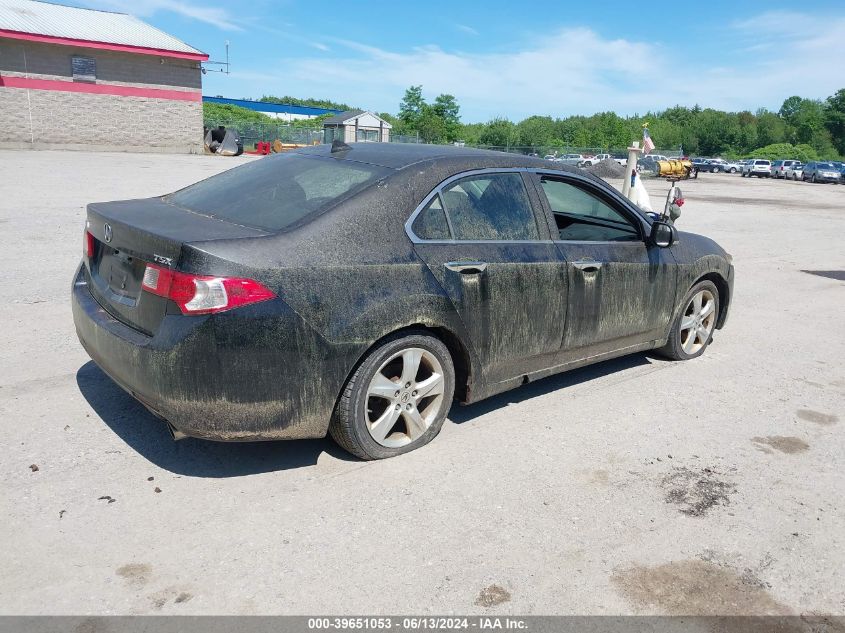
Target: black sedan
{"points": [[357, 290]]}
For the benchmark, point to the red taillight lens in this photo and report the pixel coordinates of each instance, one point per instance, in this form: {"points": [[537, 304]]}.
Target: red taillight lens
{"points": [[197, 294], [89, 245]]}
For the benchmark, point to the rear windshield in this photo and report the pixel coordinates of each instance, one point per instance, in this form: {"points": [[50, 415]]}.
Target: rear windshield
{"points": [[825, 166], [761, 162], [276, 192]]}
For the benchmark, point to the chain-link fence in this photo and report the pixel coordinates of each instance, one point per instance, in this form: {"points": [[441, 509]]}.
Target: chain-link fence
{"points": [[251, 133]]}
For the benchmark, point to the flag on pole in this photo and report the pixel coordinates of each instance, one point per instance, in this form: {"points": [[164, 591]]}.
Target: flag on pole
{"points": [[648, 144]]}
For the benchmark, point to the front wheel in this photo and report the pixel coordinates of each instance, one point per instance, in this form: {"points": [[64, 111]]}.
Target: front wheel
{"points": [[397, 399], [733, 170], [693, 328]]}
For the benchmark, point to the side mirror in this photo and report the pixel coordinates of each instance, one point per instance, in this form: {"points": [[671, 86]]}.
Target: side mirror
{"points": [[662, 234]]}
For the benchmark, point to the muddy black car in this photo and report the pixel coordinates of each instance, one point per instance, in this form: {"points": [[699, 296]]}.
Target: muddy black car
{"points": [[357, 290]]}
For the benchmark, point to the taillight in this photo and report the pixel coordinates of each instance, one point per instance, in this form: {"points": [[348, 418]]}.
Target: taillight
{"points": [[89, 245], [197, 294]]}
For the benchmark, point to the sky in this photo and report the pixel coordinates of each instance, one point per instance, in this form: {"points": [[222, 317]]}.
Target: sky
{"points": [[510, 59]]}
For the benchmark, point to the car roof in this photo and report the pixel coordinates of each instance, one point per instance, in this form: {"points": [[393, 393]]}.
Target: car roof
{"points": [[401, 155], [449, 159]]}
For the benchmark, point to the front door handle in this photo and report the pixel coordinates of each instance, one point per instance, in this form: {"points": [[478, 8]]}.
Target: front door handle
{"points": [[467, 268], [587, 265]]}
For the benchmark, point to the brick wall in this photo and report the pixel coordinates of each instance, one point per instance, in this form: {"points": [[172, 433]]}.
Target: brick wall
{"points": [[55, 118]]}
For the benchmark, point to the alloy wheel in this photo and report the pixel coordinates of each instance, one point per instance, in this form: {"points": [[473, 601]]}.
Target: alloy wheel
{"points": [[698, 321], [404, 397]]}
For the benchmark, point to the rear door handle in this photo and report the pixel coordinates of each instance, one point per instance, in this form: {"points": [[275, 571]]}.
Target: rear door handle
{"points": [[587, 265], [467, 268]]}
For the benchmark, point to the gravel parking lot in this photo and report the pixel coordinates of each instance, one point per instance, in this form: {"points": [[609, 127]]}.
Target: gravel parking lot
{"points": [[634, 486]]}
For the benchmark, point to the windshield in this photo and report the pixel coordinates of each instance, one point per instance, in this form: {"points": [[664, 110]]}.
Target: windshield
{"points": [[276, 192], [824, 166]]}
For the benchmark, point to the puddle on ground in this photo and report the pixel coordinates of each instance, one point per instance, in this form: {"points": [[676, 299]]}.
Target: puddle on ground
{"points": [[788, 445], [825, 419], [694, 587]]}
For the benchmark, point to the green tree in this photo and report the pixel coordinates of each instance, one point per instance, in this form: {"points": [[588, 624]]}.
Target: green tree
{"points": [[499, 133], [536, 131], [446, 108], [411, 107], [835, 120]]}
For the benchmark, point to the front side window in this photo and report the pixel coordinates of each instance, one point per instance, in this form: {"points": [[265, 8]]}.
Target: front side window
{"points": [[490, 207], [582, 216]]}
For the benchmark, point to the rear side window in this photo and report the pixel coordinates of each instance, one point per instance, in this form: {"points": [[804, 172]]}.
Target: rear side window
{"points": [[490, 207], [431, 223], [276, 192]]}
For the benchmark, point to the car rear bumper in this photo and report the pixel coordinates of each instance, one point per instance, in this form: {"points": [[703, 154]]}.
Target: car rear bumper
{"points": [[216, 378]]}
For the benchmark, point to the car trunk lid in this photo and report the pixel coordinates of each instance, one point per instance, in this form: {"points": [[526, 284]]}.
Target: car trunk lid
{"points": [[130, 234]]}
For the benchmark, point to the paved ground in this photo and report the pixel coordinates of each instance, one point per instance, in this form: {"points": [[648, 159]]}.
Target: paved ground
{"points": [[635, 486]]}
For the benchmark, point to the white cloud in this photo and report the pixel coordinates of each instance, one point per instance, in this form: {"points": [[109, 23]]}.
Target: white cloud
{"points": [[215, 16], [577, 70], [466, 29]]}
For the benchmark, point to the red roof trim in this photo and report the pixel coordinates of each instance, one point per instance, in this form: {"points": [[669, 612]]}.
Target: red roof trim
{"points": [[123, 48], [100, 89]]}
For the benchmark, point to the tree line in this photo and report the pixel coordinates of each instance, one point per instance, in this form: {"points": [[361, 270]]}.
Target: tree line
{"points": [[802, 128], [811, 127]]}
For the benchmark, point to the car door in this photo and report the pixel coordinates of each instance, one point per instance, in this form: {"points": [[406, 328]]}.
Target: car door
{"points": [[621, 289], [484, 237]]}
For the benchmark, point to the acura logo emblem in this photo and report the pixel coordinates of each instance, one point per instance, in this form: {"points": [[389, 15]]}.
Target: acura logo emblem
{"points": [[108, 232]]}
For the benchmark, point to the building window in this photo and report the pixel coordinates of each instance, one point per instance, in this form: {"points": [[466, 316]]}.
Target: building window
{"points": [[368, 136], [84, 68]]}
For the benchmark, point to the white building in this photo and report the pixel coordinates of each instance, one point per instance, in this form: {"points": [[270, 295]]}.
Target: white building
{"points": [[356, 126]]}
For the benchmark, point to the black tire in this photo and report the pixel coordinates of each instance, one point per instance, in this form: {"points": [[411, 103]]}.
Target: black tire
{"points": [[716, 170], [349, 426], [673, 348], [733, 170], [813, 179]]}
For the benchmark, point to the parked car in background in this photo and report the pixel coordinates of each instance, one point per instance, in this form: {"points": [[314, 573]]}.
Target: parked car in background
{"points": [[794, 172], [256, 305], [818, 171], [698, 162], [778, 169], [594, 160], [571, 159], [759, 167], [733, 166], [621, 159], [714, 165]]}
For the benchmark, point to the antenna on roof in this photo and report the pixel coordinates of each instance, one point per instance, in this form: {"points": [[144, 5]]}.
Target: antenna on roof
{"points": [[225, 65], [339, 146]]}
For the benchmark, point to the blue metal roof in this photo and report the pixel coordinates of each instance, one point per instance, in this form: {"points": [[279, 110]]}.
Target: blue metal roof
{"points": [[261, 106]]}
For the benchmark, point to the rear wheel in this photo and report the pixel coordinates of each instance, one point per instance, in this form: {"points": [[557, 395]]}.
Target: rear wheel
{"points": [[397, 399], [693, 328]]}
